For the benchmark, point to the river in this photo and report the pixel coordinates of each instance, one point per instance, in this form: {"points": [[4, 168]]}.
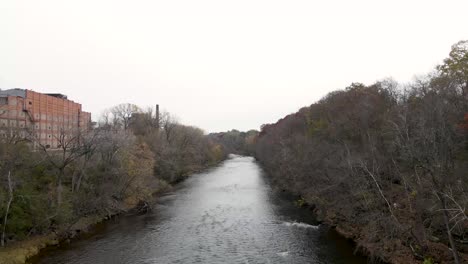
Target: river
{"points": [[228, 214]]}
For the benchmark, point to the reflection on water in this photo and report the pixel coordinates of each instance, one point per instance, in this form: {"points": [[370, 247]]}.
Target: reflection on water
{"points": [[225, 215]]}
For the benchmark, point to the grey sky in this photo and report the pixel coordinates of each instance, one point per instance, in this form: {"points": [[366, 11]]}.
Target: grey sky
{"points": [[220, 64]]}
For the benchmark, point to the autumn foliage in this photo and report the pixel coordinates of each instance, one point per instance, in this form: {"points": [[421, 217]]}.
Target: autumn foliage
{"points": [[464, 125], [385, 164], [118, 166]]}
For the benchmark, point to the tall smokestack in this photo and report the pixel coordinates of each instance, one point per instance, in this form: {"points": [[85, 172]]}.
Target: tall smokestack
{"points": [[157, 116]]}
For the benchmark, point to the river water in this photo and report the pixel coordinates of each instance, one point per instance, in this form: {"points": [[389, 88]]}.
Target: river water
{"points": [[228, 214]]}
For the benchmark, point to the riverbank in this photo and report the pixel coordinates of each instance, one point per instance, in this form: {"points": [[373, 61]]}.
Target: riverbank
{"points": [[380, 250], [384, 251], [366, 242], [227, 214], [364, 228], [22, 251]]}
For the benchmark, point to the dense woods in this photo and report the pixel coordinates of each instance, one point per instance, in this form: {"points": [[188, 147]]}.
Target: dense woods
{"points": [[117, 166], [236, 142], [386, 164]]}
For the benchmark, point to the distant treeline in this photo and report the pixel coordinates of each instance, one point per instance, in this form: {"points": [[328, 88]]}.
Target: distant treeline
{"points": [[117, 166], [387, 164], [236, 142]]}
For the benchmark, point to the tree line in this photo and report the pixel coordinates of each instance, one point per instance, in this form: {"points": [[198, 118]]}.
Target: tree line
{"points": [[386, 164], [236, 142], [124, 161]]}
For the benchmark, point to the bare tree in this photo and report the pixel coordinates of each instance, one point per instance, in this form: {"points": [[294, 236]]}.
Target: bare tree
{"points": [[89, 143], [122, 114], [70, 148], [7, 209], [10, 155], [168, 123]]}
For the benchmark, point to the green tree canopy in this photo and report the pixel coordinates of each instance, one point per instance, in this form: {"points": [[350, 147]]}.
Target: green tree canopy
{"points": [[456, 65]]}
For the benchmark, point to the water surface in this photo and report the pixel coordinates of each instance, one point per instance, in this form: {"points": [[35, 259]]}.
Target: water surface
{"points": [[228, 214]]}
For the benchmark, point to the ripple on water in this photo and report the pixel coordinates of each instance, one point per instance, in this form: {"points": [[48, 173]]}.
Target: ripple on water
{"points": [[225, 215], [301, 225]]}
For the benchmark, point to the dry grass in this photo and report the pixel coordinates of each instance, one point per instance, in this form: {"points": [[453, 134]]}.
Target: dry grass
{"points": [[18, 253]]}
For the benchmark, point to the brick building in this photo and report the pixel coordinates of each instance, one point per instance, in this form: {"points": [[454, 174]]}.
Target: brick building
{"points": [[42, 116]]}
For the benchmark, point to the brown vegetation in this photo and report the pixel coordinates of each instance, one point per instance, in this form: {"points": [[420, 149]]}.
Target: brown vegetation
{"points": [[121, 164], [386, 164]]}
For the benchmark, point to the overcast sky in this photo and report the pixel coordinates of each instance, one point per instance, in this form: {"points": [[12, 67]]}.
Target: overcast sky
{"points": [[220, 64]]}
